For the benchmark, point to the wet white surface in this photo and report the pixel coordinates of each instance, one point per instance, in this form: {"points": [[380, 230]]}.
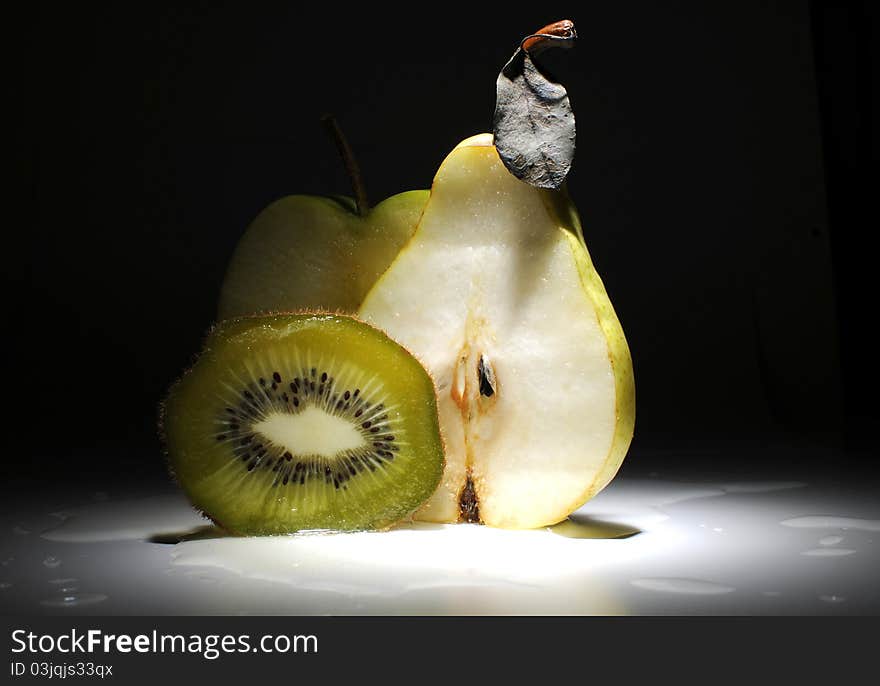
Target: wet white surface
{"points": [[643, 546]]}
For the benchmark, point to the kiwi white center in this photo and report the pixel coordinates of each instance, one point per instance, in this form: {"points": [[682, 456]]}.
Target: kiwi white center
{"points": [[310, 432]]}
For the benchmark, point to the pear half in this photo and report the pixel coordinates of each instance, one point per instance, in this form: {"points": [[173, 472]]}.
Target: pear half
{"points": [[308, 252], [496, 295]]}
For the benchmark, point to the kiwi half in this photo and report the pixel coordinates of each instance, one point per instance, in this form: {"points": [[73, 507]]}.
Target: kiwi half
{"points": [[304, 421]]}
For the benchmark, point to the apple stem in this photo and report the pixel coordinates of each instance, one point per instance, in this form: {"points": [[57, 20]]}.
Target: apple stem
{"points": [[351, 165]]}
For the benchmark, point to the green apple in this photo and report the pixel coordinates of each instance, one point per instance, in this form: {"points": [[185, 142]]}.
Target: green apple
{"points": [[497, 296], [307, 252]]}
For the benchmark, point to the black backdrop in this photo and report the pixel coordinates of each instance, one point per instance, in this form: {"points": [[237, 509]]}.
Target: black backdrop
{"points": [[148, 138]]}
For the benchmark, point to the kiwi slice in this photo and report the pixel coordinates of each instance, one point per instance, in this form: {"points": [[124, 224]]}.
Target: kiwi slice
{"points": [[304, 421]]}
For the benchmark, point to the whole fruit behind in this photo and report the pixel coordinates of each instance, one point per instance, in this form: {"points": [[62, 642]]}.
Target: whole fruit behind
{"points": [[307, 252]]}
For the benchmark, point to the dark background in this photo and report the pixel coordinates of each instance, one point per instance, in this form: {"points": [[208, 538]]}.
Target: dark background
{"points": [[721, 175]]}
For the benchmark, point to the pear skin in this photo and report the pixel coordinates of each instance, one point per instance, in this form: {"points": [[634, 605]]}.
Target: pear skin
{"points": [[306, 252]]}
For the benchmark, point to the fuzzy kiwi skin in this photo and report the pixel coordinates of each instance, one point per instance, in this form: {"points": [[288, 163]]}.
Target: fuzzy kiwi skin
{"points": [[231, 340]]}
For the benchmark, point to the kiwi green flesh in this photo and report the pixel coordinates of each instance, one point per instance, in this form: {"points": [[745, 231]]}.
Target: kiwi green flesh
{"points": [[304, 422]]}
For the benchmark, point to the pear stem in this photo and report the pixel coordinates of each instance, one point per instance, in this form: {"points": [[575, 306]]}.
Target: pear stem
{"points": [[351, 166]]}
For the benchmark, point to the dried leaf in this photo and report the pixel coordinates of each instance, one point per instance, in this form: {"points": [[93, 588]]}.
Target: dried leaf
{"points": [[534, 125]]}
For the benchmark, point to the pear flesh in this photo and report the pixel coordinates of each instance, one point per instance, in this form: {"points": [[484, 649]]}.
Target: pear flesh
{"points": [[307, 252], [497, 296]]}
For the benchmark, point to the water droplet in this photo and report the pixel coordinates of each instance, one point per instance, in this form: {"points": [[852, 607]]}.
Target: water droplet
{"points": [[771, 594], [4, 585], [125, 520], [51, 562], [20, 531], [830, 540], [6, 561], [679, 585], [832, 598], [828, 552], [201, 576], [832, 522], [100, 496], [62, 582], [74, 600]]}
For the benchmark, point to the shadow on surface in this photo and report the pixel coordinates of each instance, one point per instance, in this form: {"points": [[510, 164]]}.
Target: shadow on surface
{"points": [[196, 534], [582, 526]]}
